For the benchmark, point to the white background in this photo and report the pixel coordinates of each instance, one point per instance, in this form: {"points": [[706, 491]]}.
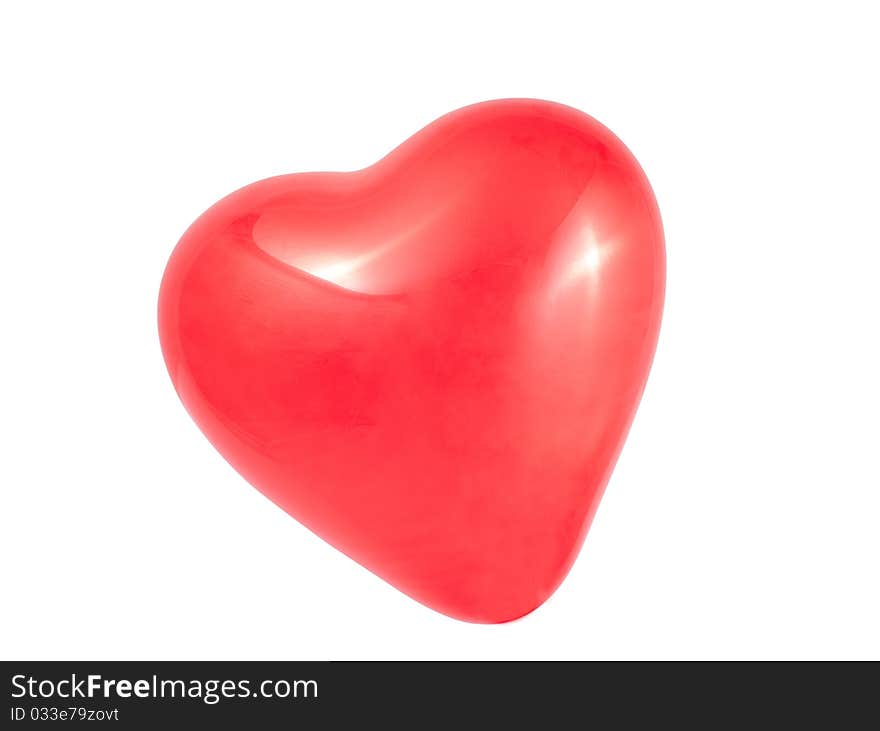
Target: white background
{"points": [[743, 519]]}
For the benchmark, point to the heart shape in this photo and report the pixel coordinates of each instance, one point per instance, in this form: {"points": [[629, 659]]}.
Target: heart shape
{"points": [[432, 363]]}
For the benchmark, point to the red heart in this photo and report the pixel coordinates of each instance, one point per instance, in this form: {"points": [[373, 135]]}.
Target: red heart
{"points": [[431, 363]]}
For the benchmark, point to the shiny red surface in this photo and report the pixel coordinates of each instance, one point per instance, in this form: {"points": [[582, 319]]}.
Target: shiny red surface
{"points": [[433, 362]]}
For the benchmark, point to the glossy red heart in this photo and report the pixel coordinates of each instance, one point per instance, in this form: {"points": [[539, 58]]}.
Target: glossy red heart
{"points": [[431, 363]]}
